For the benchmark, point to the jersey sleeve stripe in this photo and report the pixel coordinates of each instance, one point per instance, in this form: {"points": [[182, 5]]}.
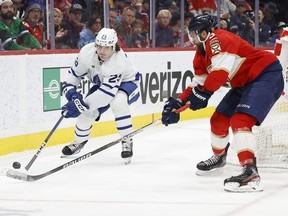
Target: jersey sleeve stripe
{"points": [[106, 92], [74, 73], [109, 86]]}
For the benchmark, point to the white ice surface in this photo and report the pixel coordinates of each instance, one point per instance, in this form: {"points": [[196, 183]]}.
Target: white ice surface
{"points": [[160, 181]]}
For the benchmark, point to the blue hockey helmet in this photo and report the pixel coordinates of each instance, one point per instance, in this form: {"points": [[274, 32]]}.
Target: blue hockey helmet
{"points": [[202, 22]]}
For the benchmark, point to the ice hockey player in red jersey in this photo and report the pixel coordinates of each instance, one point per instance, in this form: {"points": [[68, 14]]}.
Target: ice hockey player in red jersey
{"points": [[256, 82]]}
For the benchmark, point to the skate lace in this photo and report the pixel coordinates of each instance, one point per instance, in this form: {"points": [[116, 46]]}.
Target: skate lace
{"points": [[213, 160], [76, 146], [73, 145], [245, 173], [242, 174], [126, 145]]}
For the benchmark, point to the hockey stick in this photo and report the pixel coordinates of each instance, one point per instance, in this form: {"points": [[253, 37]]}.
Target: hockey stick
{"points": [[27, 167], [11, 173]]}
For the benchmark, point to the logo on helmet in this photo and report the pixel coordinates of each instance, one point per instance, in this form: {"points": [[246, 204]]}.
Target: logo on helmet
{"points": [[106, 37]]}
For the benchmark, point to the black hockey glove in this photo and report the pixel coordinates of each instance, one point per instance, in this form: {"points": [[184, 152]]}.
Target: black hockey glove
{"points": [[199, 98], [168, 114]]}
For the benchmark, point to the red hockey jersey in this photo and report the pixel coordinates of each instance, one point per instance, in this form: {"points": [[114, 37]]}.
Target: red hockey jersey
{"points": [[229, 59]]}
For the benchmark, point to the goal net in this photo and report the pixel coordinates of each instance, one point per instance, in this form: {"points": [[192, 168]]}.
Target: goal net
{"points": [[272, 135]]}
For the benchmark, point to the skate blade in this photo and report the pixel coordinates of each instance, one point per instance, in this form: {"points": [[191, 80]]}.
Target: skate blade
{"points": [[213, 172], [127, 160], [69, 156], [253, 186]]}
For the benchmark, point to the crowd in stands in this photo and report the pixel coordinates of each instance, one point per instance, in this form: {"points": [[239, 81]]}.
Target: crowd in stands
{"points": [[23, 23]]}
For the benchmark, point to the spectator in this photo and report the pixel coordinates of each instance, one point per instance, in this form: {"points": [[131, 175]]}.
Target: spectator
{"points": [[239, 21], [227, 8], [140, 14], [91, 7], [146, 6], [199, 6], [164, 34], [89, 33], [112, 17], [247, 30], [168, 5], [138, 29], [172, 7], [124, 29], [59, 31], [248, 27], [188, 16], [18, 8], [246, 4], [175, 25], [224, 24], [264, 32], [119, 6], [234, 29], [270, 10], [186, 6], [74, 26], [42, 3], [13, 34], [278, 32], [137, 5], [31, 21], [64, 6]]}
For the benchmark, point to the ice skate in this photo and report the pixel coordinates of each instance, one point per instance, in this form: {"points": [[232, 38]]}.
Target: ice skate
{"points": [[213, 164], [127, 150], [73, 148], [247, 181]]}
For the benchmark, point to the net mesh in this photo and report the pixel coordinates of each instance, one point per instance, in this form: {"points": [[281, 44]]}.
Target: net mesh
{"points": [[272, 135]]}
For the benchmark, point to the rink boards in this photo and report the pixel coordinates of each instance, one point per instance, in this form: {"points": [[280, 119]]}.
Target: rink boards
{"points": [[31, 95]]}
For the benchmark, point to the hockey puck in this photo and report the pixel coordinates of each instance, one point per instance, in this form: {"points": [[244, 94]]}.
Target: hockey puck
{"points": [[16, 165]]}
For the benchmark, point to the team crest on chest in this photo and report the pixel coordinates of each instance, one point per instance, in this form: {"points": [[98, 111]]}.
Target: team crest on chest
{"points": [[215, 45]]}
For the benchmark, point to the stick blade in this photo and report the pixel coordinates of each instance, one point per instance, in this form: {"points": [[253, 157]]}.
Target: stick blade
{"points": [[17, 175]]}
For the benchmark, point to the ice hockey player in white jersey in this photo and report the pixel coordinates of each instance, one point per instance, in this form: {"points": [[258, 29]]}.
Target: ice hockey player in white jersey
{"points": [[115, 84]]}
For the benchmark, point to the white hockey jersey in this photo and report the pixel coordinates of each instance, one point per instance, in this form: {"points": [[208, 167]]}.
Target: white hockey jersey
{"points": [[107, 75]]}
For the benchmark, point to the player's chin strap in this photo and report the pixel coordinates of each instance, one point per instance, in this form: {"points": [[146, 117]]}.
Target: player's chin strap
{"points": [[198, 37], [202, 41]]}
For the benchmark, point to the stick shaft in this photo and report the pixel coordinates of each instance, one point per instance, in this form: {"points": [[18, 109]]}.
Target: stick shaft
{"points": [[27, 167]]}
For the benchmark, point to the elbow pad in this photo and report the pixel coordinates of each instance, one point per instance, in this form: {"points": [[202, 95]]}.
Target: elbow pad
{"points": [[215, 80]]}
